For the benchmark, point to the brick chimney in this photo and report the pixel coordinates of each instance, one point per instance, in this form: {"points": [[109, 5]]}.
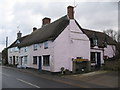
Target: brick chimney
{"points": [[45, 21], [70, 12], [19, 35], [34, 28]]}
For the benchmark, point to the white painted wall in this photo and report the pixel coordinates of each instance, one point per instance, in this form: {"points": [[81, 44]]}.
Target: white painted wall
{"points": [[40, 52], [109, 51], [11, 54]]}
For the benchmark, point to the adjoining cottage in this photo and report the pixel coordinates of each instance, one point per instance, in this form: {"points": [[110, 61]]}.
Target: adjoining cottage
{"points": [[62, 43]]}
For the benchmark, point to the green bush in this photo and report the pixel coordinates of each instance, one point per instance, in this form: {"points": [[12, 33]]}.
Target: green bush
{"points": [[112, 65]]}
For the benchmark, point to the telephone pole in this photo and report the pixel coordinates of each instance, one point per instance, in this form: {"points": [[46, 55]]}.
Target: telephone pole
{"points": [[6, 42]]}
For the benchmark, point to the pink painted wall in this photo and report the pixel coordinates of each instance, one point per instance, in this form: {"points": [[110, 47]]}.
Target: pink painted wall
{"points": [[109, 51], [70, 45]]}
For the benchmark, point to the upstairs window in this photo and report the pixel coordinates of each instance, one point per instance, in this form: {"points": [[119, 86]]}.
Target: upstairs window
{"points": [[16, 49], [35, 47], [10, 50], [46, 45], [105, 44], [95, 42], [25, 49], [17, 42], [34, 59]]}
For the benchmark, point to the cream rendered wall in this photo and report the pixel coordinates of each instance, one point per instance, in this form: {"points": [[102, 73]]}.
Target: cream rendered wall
{"points": [[71, 43], [22, 54], [11, 54], [109, 51]]}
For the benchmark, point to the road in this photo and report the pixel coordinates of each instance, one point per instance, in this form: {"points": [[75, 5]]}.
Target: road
{"points": [[16, 79]]}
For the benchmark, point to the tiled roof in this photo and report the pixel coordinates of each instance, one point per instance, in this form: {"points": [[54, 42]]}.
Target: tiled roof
{"points": [[101, 37]]}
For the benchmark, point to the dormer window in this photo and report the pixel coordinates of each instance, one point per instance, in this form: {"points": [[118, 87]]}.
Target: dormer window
{"points": [[17, 42], [95, 42], [105, 42]]}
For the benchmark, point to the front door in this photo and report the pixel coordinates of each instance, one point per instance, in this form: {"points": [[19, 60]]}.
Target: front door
{"points": [[40, 64], [13, 60], [98, 60]]}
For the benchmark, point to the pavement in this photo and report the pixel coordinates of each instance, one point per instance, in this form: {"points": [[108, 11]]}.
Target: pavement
{"points": [[97, 79]]}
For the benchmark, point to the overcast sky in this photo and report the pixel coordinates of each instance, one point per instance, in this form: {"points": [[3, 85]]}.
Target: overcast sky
{"points": [[26, 14]]}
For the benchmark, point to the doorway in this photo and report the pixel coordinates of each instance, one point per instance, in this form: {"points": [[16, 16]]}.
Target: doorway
{"points": [[13, 60], [40, 63], [98, 60]]}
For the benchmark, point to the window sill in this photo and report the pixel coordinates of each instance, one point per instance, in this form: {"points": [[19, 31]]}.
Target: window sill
{"points": [[46, 65]]}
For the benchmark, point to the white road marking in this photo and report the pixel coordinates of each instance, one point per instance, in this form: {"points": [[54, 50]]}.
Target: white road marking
{"points": [[28, 83]]}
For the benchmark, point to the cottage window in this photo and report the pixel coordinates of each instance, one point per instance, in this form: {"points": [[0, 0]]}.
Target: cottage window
{"points": [[17, 42], [35, 46], [10, 60], [10, 50], [40, 45], [25, 59], [16, 49], [25, 49], [93, 58], [95, 42], [46, 45], [34, 59], [17, 59], [46, 60]]}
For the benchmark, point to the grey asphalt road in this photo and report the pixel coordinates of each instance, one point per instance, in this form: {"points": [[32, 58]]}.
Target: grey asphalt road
{"points": [[16, 79]]}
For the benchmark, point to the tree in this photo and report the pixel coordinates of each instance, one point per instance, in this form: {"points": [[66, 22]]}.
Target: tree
{"points": [[112, 33], [5, 56]]}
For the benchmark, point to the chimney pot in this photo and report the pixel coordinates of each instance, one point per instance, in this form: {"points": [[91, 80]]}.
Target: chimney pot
{"points": [[34, 28], [19, 35], [70, 12]]}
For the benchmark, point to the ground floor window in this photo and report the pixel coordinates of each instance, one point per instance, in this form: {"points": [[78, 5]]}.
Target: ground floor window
{"points": [[93, 57], [34, 59], [25, 59], [96, 59], [16, 59], [46, 60], [10, 60]]}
